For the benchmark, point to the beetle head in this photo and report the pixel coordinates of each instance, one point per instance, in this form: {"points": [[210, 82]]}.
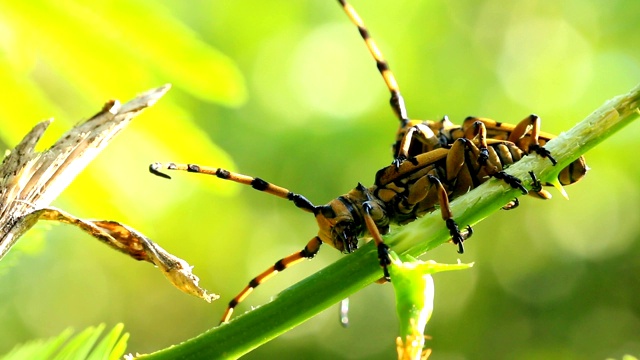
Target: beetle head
{"points": [[337, 225]]}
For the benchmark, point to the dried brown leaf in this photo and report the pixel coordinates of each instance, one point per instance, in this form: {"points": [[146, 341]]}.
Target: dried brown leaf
{"points": [[30, 181]]}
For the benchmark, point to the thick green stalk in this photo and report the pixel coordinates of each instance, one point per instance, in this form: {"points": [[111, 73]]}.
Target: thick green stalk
{"points": [[355, 271]]}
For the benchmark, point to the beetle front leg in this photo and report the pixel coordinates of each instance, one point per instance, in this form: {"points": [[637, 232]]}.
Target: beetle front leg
{"points": [[383, 249]]}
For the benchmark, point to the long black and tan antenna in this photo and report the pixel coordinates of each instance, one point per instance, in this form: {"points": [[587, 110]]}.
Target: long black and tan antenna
{"points": [[397, 101]]}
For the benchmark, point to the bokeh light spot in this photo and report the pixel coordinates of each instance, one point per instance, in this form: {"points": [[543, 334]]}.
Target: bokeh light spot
{"points": [[545, 63], [327, 80], [615, 207]]}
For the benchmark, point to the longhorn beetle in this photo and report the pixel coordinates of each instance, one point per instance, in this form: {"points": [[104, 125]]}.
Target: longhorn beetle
{"points": [[402, 191], [399, 195]]}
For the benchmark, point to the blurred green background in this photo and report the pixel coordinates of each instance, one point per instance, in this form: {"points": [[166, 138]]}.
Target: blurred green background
{"points": [[287, 91]]}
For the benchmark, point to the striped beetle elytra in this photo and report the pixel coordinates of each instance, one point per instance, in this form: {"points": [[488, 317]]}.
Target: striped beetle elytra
{"points": [[418, 136], [427, 172]]}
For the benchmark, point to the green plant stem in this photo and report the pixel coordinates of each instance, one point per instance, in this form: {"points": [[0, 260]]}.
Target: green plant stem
{"points": [[355, 271]]}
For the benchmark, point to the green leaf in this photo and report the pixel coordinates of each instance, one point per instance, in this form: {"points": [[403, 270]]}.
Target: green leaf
{"points": [[38, 349], [136, 39], [112, 346], [414, 290], [81, 346]]}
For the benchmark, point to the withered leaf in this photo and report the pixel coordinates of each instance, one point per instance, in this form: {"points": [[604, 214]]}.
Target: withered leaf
{"points": [[30, 181]]}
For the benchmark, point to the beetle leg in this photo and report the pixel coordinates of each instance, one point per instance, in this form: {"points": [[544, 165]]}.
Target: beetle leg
{"points": [[540, 150], [530, 126], [478, 133], [455, 158], [537, 185], [513, 181], [512, 204], [383, 249], [309, 251], [457, 237], [420, 132], [536, 188]]}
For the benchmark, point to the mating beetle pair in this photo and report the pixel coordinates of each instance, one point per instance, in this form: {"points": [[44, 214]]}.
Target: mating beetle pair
{"points": [[433, 163]]}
